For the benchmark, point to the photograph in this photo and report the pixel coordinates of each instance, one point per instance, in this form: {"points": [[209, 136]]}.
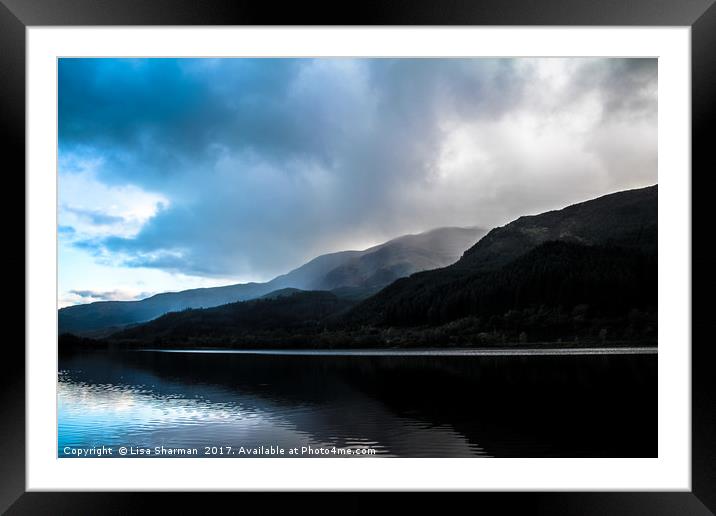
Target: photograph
{"points": [[353, 257]]}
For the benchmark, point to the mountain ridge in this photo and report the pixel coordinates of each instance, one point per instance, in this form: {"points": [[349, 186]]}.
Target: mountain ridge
{"points": [[626, 219], [620, 218], [350, 273]]}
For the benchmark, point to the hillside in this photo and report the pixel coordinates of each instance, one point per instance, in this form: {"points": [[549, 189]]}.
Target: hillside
{"points": [[284, 316], [558, 290]]}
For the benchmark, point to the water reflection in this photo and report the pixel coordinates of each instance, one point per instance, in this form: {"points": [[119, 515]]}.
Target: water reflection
{"points": [[397, 406]]}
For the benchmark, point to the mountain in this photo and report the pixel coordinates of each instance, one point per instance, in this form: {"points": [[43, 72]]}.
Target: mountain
{"points": [[583, 275], [558, 290], [349, 274], [619, 231], [103, 315], [403, 256]]}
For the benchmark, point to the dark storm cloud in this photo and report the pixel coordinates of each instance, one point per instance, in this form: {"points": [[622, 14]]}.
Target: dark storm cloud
{"points": [[268, 162]]}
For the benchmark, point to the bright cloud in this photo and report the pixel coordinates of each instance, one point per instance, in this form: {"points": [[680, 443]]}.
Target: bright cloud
{"points": [[94, 209]]}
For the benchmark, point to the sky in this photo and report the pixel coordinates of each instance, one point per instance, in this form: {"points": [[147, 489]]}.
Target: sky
{"points": [[184, 173]]}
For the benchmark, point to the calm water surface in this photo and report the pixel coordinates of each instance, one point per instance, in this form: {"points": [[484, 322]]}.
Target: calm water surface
{"points": [[414, 405]]}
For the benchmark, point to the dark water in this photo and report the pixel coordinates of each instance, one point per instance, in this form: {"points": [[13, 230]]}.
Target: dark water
{"points": [[408, 406]]}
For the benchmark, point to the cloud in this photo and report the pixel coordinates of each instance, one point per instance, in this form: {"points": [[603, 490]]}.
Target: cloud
{"points": [[248, 167], [112, 295], [74, 297], [94, 217], [94, 209]]}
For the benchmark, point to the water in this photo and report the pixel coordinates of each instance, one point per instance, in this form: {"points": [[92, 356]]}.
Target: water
{"points": [[366, 404]]}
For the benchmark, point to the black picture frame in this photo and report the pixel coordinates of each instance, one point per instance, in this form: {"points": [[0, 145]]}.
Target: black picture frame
{"points": [[700, 15]]}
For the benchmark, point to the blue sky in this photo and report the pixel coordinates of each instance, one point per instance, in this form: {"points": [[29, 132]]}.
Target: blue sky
{"points": [[179, 173]]}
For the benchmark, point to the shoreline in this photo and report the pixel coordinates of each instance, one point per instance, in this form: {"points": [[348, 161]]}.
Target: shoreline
{"points": [[421, 352]]}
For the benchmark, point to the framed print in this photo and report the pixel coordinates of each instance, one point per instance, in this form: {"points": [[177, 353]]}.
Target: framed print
{"points": [[424, 251]]}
